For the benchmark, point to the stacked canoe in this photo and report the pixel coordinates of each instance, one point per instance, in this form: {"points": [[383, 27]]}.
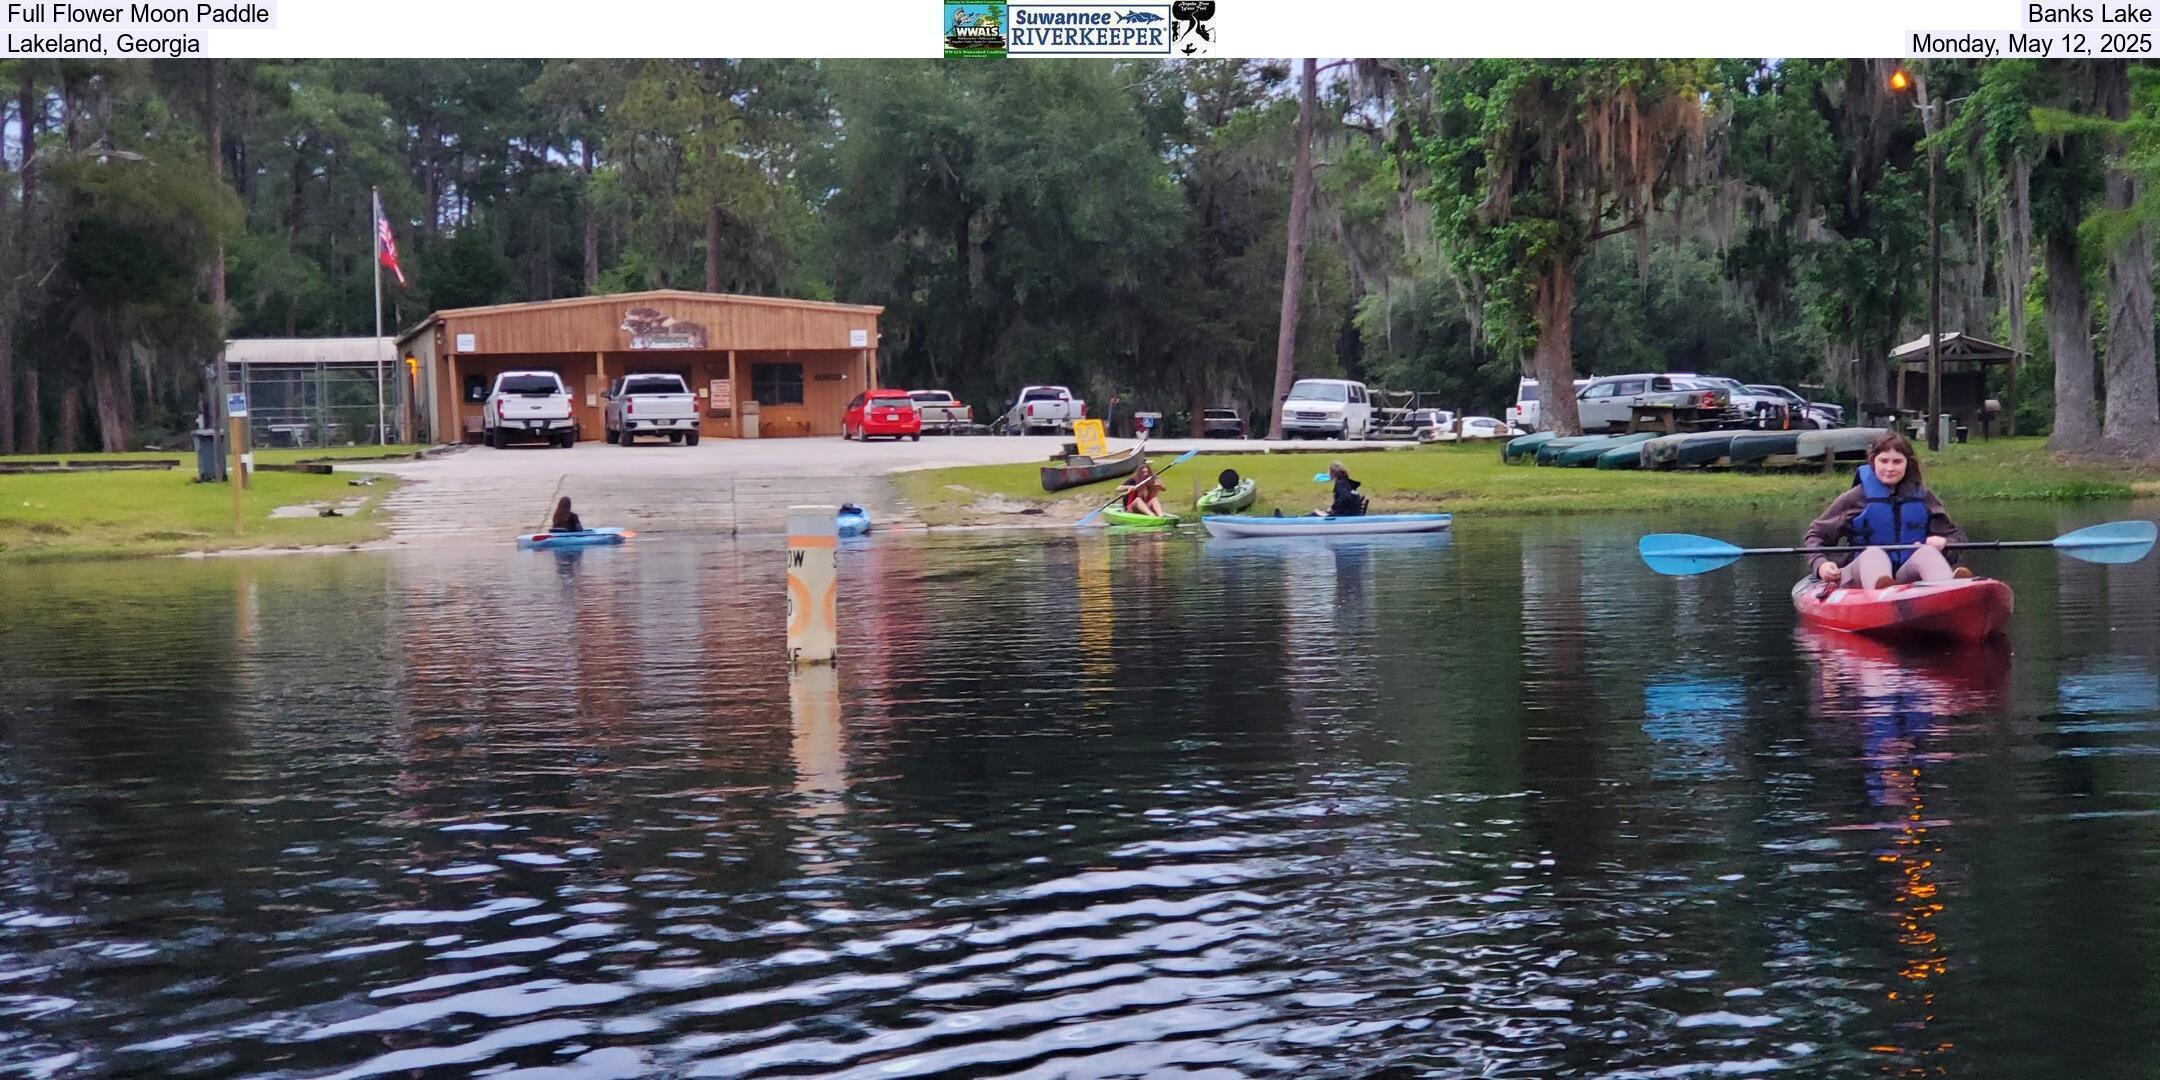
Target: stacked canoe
{"points": [[1694, 448]]}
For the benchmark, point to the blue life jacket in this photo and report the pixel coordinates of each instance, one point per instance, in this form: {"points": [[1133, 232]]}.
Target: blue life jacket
{"points": [[1889, 518]]}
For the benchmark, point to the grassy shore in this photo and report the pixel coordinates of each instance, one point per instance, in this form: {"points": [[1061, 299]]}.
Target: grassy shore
{"points": [[119, 514], [1464, 478], [262, 457]]}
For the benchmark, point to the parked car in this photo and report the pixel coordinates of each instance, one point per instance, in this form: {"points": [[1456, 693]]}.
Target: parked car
{"points": [[1473, 427], [650, 405], [1221, 424], [1607, 403], [941, 413], [528, 405], [881, 413], [1524, 414], [1044, 409], [1327, 408], [1422, 420], [1820, 414]]}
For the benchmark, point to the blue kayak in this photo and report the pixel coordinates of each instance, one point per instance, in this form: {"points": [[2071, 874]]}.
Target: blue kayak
{"points": [[575, 538], [1227, 526], [853, 521]]}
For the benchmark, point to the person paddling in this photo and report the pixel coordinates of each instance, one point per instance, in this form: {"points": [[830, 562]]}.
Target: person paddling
{"points": [[1347, 503], [565, 520], [1886, 506], [1144, 494]]}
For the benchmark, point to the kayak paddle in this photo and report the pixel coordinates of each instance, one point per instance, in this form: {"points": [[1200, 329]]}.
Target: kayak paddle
{"points": [[1679, 554], [1181, 459]]}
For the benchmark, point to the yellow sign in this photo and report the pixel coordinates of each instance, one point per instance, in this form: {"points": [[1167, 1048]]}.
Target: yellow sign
{"points": [[1088, 435]]}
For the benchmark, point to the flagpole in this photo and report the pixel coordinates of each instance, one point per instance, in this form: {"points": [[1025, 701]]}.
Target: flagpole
{"points": [[382, 434]]}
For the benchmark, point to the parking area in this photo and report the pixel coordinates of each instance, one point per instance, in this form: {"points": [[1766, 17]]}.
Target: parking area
{"points": [[476, 494]]}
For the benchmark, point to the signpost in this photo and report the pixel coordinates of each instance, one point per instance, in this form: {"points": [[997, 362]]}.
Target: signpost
{"points": [[236, 410], [1088, 438]]}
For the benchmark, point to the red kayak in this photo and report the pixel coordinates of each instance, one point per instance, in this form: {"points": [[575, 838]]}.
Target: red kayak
{"points": [[1962, 609]]}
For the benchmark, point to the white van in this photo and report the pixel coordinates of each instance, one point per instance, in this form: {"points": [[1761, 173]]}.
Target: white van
{"points": [[1327, 408]]}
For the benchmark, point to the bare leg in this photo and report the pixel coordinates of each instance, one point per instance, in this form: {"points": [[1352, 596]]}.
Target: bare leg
{"points": [[1925, 564], [1866, 569]]}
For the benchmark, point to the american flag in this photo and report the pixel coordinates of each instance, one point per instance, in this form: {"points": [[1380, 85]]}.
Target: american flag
{"points": [[386, 248]]}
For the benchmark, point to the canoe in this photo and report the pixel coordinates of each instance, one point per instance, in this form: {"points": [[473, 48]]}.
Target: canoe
{"points": [[852, 521], [1523, 446], [1589, 453], [1752, 447], [1961, 609], [1711, 446], [1231, 526], [1622, 457], [578, 538], [1838, 441], [1664, 451], [1137, 521], [1084, 470], [1218, 501], [1550, 448]]}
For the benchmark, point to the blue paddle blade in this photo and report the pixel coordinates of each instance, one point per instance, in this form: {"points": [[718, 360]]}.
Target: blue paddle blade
{"points": [[2114, 542], [1319, 478], [1679, 554]]}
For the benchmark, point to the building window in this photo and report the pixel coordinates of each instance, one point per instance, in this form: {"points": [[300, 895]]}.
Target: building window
{"points": [[776, 384]]}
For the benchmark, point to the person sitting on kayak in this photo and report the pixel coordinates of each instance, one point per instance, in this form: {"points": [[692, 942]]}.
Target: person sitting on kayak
{"points": [[1886, 506], [1348, 503], [565, 520], [1144, 494], [1228, 481]]}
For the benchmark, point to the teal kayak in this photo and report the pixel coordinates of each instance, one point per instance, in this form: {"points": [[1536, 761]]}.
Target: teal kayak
{"points": [[1754, 446], [1553, 448], [1523, 446], [1588, 454]]}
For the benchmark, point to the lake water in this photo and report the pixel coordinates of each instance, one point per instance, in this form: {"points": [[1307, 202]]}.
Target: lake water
{"points": [[1500, 804]]}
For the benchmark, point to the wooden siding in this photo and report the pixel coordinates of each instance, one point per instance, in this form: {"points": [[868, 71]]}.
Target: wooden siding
{"points": [[596, 325]]}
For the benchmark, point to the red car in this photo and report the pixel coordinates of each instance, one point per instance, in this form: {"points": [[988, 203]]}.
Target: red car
{"points": [[881, 412]]}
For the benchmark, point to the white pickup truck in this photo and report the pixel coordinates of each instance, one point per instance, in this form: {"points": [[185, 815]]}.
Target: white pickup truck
{"points": [[528, 405], [650, 405], [941, 412], [1044, 408]]}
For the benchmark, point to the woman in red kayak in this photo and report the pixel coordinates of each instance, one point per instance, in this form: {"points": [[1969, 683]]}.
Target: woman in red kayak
{"points": [[1887, 505]]}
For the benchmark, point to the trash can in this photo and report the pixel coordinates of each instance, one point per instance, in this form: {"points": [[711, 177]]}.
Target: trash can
{"points": [[209, 463], [749, 422]]}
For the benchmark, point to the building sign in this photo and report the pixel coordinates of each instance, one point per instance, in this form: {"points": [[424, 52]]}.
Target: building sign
{"points": [[723, 393], [465, 343], [858, 339], [649, 329]]}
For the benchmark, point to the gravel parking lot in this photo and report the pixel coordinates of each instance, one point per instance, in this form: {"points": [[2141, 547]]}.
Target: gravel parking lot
{"points": [[721, 485]]}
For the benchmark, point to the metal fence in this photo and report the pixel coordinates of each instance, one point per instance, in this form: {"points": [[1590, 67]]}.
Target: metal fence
{"points": [[316, 405]]}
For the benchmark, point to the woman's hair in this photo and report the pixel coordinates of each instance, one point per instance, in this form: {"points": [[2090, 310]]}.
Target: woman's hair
{"points": [[1336, 471], [562, 511], [1892, 441]]}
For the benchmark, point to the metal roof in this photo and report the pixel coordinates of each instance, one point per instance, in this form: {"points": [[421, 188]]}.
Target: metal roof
{"points": [[354, 351]]}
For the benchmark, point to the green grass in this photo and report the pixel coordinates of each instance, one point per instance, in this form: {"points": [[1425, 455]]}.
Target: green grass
{"points": [[1473, 478], [116, 514], [187, 457]]}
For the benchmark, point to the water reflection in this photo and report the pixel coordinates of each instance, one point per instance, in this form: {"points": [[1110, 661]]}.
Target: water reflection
{"points": [[1130, 805]]}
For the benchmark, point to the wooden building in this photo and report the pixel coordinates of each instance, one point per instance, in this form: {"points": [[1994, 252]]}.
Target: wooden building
{"points": [[799, 361], [1965, 360]]}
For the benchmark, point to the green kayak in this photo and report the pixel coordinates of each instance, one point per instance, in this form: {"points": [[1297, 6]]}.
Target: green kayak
{"points": [[1136, 521], [1590, 453], [1523, 446], [1622, 457], [1218, 501]]}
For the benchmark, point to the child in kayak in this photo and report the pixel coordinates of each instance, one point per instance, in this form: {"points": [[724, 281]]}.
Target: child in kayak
{"points": [[1144, 494], [1348, 503], [1887, 505], [1228, 482], [565, 520]]}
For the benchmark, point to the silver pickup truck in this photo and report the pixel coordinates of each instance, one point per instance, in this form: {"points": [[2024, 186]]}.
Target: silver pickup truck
{"points": [[651, 405], [941, 412], [1606, 404]]}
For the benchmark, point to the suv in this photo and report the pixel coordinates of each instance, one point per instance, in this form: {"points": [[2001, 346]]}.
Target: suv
{"points": [[1819, 414], [1524, 414], [1221, 424], [1335, 408], [528, 404]]}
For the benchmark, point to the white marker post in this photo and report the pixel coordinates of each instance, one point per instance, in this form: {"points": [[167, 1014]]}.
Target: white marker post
{"points": [[813, 541]]}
